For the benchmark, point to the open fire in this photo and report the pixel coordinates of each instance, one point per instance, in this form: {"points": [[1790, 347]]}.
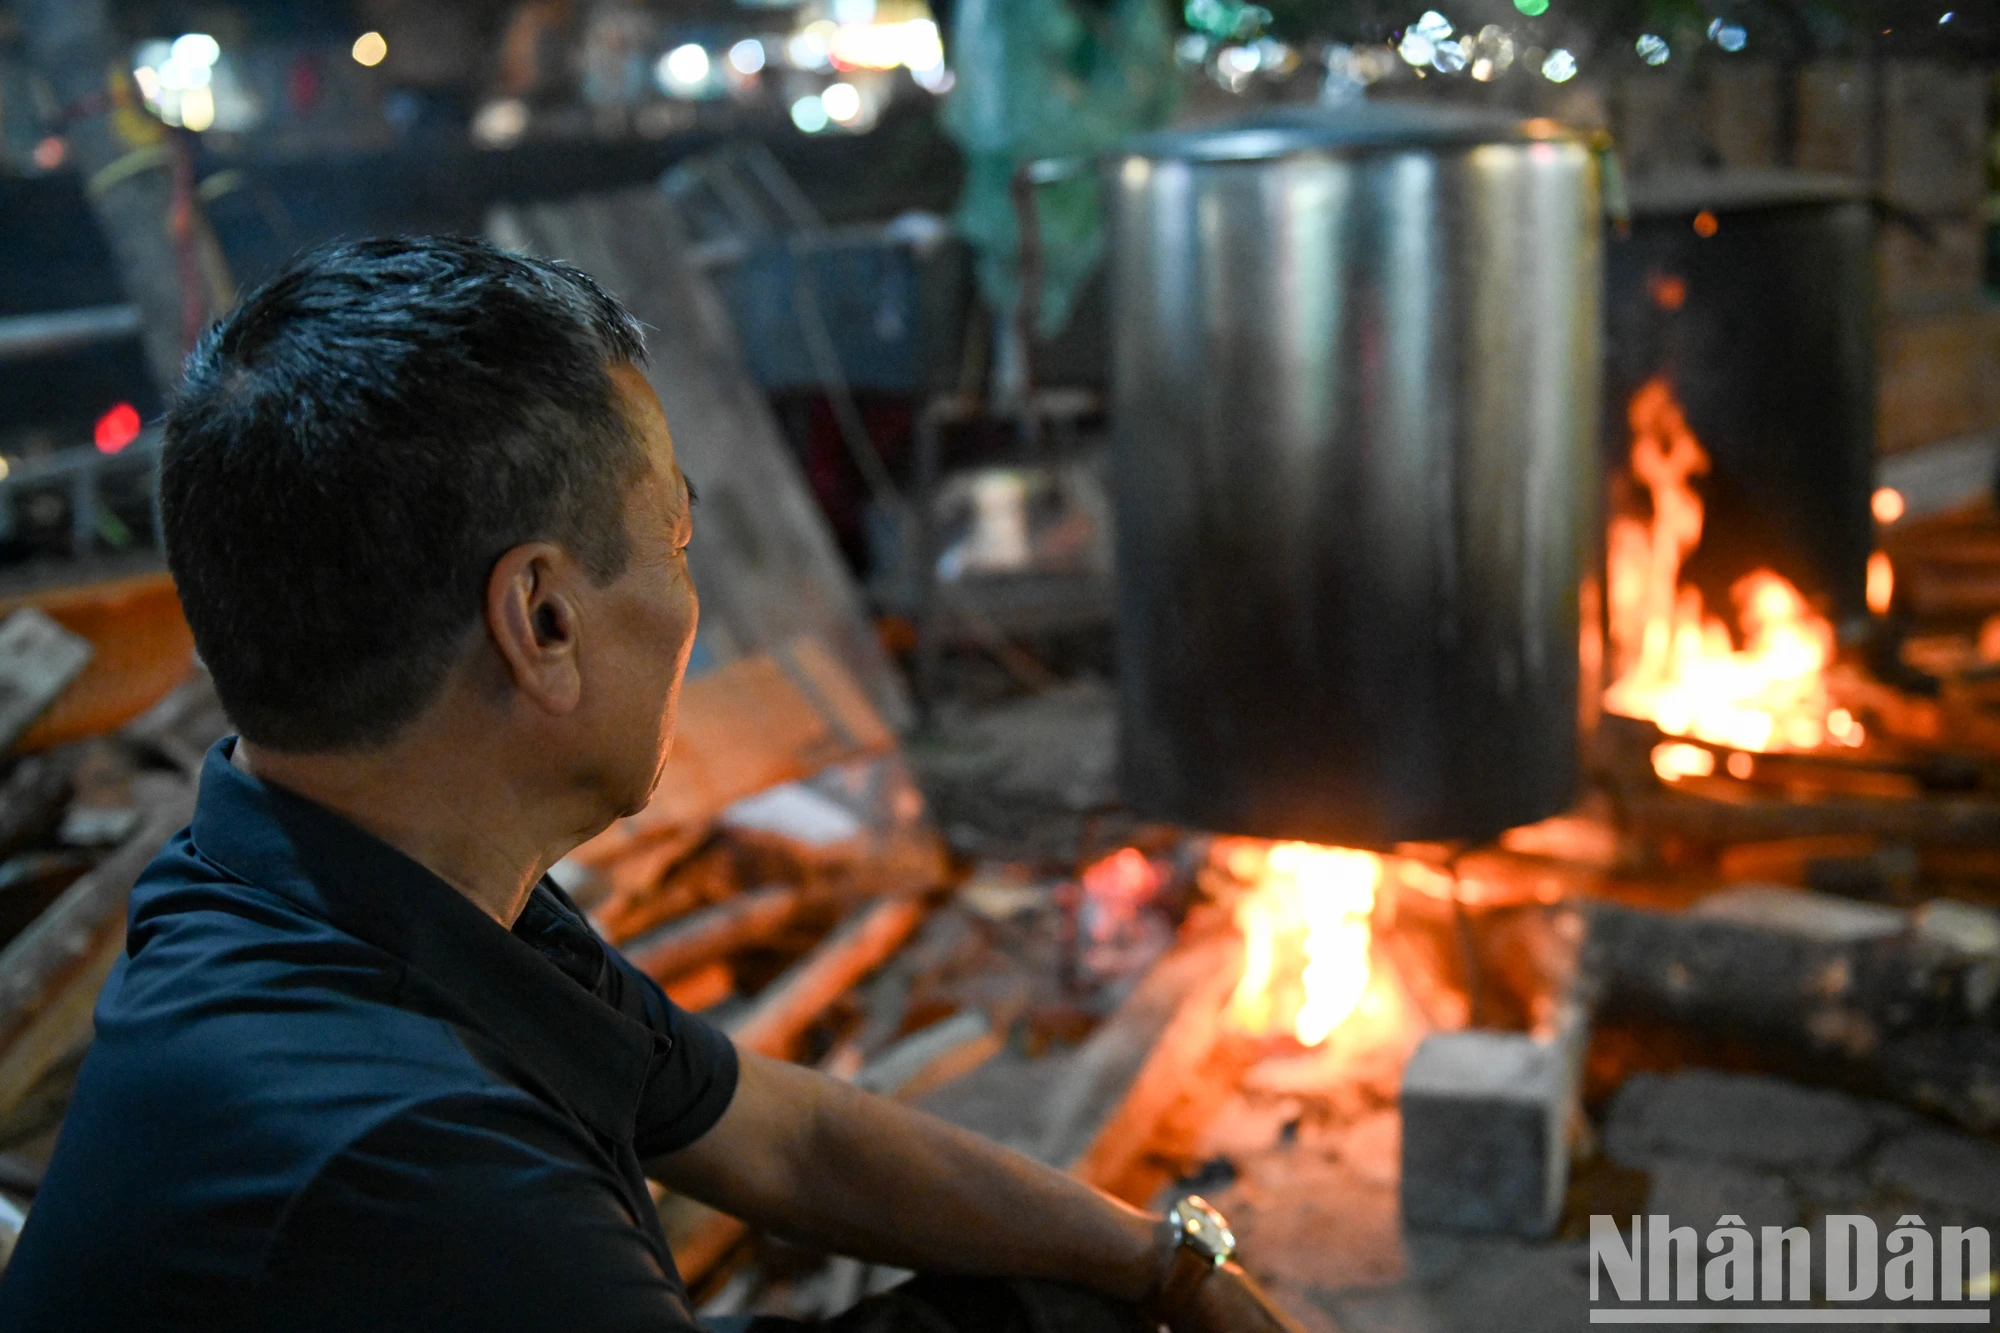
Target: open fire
{"points": [[1305, 923], [1677, 665]]}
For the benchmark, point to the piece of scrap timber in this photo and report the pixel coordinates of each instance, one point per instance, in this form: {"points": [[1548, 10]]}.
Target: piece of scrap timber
{"points": [[141, 647], [51, 972], [792, 1003], [932, 1057], [38, 660], [767, 563], [1718, 811], [32, 800], [1892, 1003], [182, 726], [743, 728], [701, 937], [1161, 1065]]}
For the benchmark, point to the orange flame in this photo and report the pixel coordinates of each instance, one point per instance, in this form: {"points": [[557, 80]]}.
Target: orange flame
{"points": [[1679, 666], [1305, 931]]}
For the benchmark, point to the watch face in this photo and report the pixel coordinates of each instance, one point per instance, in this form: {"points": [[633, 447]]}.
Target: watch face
{"points": [[1200, 1228]]}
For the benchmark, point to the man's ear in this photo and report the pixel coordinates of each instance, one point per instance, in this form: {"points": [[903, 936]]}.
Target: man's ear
{"points": [[532, 619]]}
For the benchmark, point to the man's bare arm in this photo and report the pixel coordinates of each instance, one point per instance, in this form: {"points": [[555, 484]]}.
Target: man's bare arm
{"points": [[814, 1159]]}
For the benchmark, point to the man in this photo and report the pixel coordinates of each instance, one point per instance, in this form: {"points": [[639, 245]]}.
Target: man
{"points": [[362, 1066]]}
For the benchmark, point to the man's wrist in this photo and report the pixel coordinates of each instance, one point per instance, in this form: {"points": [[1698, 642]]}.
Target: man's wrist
{"points": [[1148, 1258]]}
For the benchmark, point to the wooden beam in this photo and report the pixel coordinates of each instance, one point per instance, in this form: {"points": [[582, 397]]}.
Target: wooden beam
{"points": [[50, 974], [792, 1003], [1162, 1058], [743, 728], [701, 937]]}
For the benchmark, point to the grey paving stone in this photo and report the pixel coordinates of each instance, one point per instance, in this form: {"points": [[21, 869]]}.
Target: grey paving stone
{"points": [[1518, 1289], [1750, 1119], [1400, 1308], [1701, 1193], [1942, 1166]]}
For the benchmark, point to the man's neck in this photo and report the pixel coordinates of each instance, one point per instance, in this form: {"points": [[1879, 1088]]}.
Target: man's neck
{"points": [[442, 803]]}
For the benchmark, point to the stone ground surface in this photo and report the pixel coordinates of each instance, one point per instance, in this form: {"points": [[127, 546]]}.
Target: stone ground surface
{"points": [[1314, 1202]]}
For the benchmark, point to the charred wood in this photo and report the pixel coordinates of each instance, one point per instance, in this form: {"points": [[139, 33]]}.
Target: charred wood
{"points": [[1815, 987]]}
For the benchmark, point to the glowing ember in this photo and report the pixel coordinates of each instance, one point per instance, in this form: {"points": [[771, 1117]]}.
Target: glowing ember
{"points": [[1679, 666], [1305, 931]]}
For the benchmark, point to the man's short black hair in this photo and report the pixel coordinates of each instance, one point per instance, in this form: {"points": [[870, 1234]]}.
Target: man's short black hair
{"points": [[352, 449]]}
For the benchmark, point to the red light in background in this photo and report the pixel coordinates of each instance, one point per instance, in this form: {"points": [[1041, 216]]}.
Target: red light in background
{"points": [[117, 428]]}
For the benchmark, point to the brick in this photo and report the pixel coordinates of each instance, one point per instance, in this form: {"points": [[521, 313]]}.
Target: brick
{"points": [[1751, 1120], [1919, 137], [1485, 1133], [1743, 114], [1948, 264], [1936, 374], [1835, 107], [1934, 125], [1657, 119]]}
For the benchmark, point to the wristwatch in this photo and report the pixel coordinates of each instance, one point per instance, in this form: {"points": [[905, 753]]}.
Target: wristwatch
{"points": [[1202, 1242]]}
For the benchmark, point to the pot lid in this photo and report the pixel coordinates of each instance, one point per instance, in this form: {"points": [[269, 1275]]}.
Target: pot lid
{"points": [[1362, 125]]}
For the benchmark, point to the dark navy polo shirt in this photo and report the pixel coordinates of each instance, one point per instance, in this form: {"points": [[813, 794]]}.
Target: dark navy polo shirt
{"points": [[327, 1092]]}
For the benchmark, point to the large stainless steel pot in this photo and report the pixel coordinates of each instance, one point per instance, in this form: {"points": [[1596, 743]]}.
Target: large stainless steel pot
{"points": [[1355, 378]]}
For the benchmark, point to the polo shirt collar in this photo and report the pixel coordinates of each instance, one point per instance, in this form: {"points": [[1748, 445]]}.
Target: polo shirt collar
{"points": [[592, 1056]]}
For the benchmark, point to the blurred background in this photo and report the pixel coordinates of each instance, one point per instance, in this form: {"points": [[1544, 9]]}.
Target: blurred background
{"points": [[1388, 612]]}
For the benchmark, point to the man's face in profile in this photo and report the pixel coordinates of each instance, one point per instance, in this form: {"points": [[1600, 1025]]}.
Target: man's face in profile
{"points": [[640, 627]]}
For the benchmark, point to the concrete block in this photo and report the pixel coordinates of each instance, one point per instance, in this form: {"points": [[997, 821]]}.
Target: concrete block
{"points": [[1751, 1120], [1821, 917], [1485, 1133]]}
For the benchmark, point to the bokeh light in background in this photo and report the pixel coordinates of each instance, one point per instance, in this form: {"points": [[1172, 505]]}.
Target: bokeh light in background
{"points": [[189, 83], [116, 428], [1728, 36], [370, 48], [809, 114], [686, 71], [841, 102]]}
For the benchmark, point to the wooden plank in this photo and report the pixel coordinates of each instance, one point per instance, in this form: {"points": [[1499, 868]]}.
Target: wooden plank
{"points": [[765, 560], [51, 973], [702, 937], [791, 1004], [38, 660], [743, 728], [1162, 1058], [142, 649]]}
